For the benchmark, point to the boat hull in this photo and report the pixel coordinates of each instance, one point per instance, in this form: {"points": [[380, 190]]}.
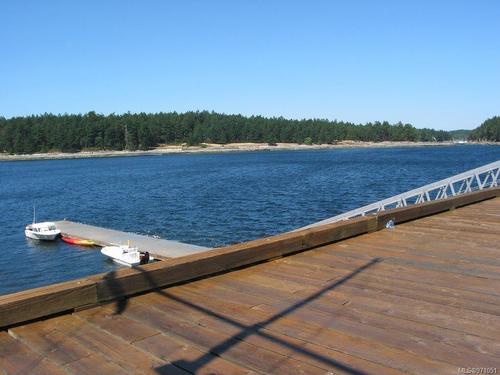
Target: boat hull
{"points": [[41, 236], [124, 255], [123, 263]]}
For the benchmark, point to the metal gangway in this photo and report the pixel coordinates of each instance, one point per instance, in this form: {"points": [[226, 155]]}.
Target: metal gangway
{"points": [[480, 178]]}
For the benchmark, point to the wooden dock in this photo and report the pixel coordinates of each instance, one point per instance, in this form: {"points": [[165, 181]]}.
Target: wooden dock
{"points": [[345, 298], [105, 237]]}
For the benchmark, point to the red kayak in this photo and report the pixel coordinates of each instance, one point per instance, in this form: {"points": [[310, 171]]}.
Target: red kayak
{"points": [[77, 241]]}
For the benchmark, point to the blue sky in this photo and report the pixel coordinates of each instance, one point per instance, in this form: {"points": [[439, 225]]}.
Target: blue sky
{"points": [[429, 63]]}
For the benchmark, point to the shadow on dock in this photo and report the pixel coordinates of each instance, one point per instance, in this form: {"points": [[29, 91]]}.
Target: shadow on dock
{"points": [[115, 287], [245, 331]]}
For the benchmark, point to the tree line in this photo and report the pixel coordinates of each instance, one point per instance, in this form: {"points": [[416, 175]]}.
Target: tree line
{"points": [[93, 131], [489, 130]]}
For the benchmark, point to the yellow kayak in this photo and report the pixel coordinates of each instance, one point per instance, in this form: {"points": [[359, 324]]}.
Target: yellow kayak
{"points": [[78, 241]]}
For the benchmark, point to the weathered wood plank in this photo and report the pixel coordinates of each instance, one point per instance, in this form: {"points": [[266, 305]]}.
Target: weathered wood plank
{"points": [[332, 312], [152, 341], [189, 358], [328, 359], [253, 289], [401, 239], [68, 341], [438, 294], [401, 255], [127, 329], [16, 358], [95, 364], [350, 260], [35, 303], [307, 330], [218, 343], [115, 350], [43, 337], [435, 314]]}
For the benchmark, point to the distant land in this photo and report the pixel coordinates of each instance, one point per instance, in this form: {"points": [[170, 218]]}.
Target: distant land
{"points": [[487, 131], [95, 133], [460, 134], [214, 148]]}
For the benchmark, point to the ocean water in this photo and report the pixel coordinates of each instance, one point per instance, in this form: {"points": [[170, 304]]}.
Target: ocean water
{"points": [[205, 199]]}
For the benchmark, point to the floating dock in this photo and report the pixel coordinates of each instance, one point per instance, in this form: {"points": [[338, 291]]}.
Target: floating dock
{"points": [[106, 237]]}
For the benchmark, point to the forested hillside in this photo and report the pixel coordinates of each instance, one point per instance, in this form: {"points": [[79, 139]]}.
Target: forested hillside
{"points": [[91, 131], [460, 134], [487, 131]]}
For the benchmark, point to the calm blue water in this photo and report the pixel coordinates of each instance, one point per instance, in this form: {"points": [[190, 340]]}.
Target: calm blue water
{"points": [[210, 200]]}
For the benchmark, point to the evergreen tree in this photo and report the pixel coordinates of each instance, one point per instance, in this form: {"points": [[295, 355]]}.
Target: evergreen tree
{"points": [[487, 131], [69, 133]]}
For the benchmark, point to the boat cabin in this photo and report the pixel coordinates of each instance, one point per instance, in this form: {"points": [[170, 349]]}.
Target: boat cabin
{"points": [[42, 227]]}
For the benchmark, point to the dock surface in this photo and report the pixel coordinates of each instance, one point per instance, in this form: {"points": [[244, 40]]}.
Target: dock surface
{"points": [[106, 237], [422, 298]]}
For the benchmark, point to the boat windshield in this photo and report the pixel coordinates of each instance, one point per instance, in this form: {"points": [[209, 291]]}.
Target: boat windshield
{"points": [[52, 227]]}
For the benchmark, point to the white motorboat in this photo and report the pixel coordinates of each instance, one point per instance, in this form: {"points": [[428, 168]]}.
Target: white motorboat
{"points": [[46, 231], [126, 255]]}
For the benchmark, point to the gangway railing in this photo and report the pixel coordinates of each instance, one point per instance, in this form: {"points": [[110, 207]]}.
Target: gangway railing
{"points": [[480, 178]]}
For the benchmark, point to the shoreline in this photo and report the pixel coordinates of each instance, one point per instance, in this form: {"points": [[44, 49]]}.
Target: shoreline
{"points": [[218, 148]]}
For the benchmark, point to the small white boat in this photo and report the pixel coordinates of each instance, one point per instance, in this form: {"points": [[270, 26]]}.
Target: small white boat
{"points": [[46, 231], [126, 255]]}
